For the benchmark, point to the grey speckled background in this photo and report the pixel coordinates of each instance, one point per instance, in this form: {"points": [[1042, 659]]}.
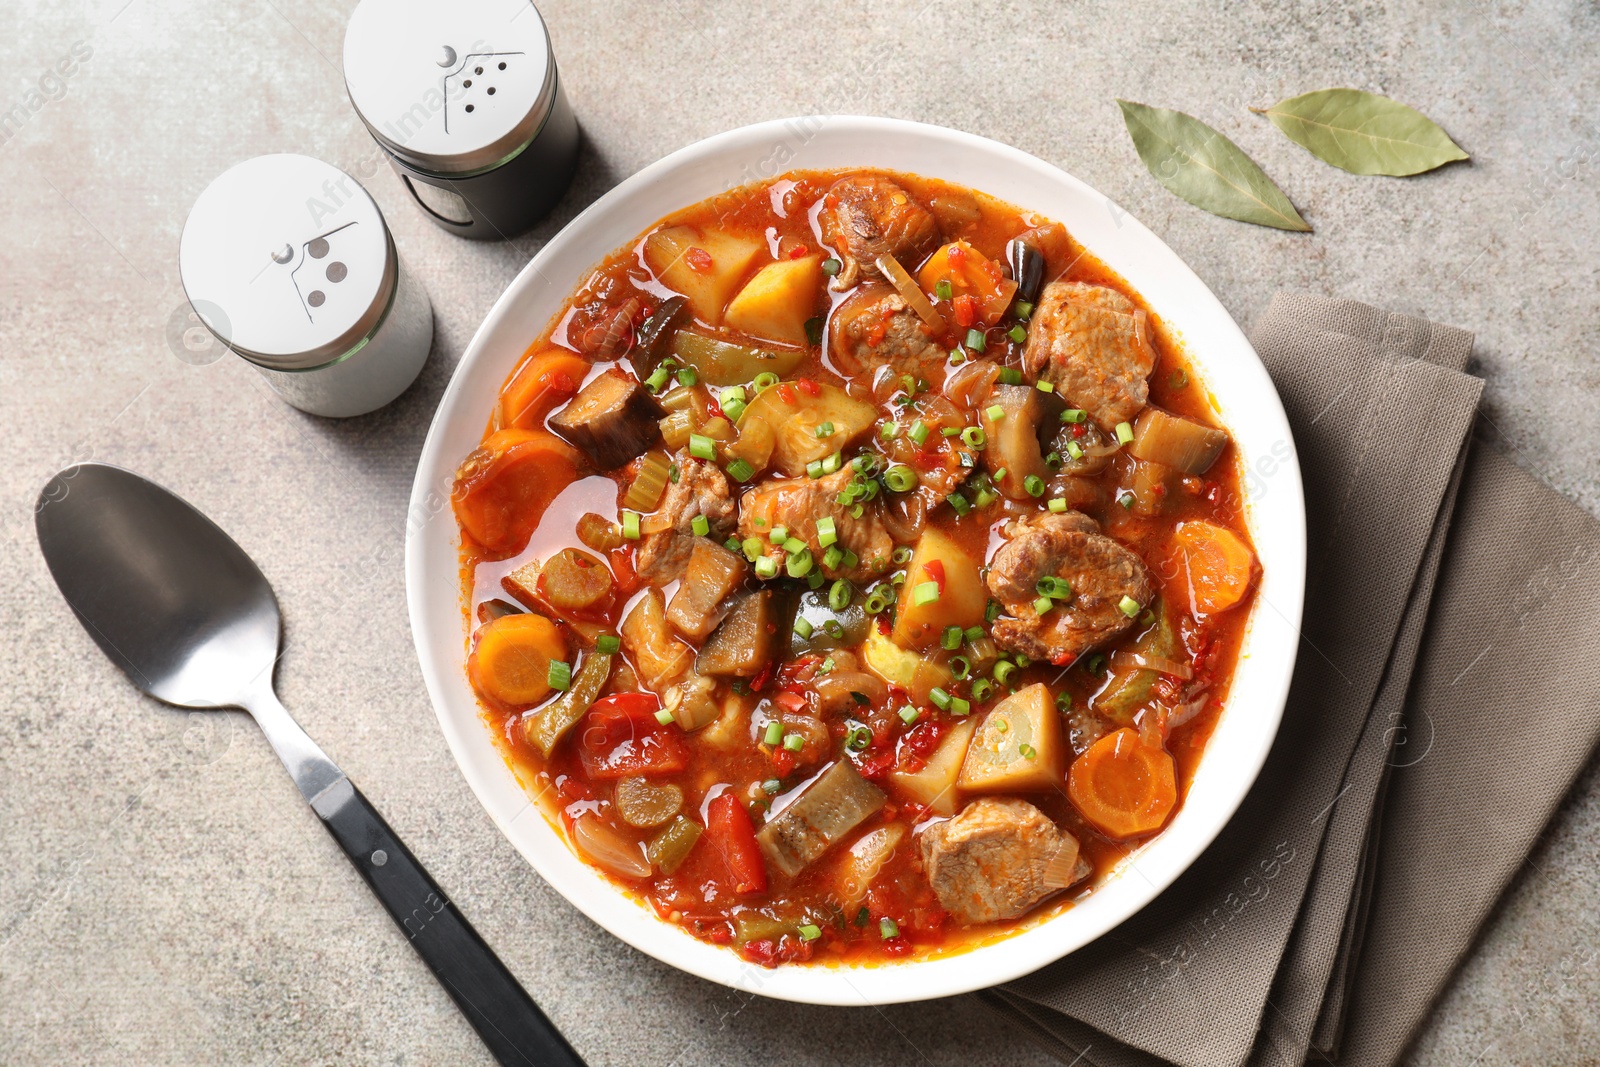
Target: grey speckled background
{"points": [[165, 898]]}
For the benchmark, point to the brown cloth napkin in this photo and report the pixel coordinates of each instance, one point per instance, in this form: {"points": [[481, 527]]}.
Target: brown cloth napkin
{"points": [[1438, 713]]}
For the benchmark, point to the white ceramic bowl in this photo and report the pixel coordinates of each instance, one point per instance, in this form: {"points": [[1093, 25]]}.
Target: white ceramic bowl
{"points": [[1249, 408]]}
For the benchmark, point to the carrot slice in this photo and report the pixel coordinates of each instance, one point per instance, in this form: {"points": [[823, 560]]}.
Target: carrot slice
{"points": [[511, 663], [1220, 565], [1123, 786], [502, 489], [544, 380]]}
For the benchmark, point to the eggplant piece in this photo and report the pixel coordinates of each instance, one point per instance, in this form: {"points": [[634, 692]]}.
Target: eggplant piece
{"points": [[1014, 436], [490, 610], [712, 574], [647, 347], [834, 804], [748, 639], [1189, 446], [611, 420], [1027, 269]]}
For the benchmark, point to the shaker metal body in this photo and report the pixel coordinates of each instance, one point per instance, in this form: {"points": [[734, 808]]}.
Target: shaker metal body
{"points": [[465, 99], [288, 262]]}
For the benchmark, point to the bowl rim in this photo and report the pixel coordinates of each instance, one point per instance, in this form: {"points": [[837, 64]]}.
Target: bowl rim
{"points": [[1269, 647]]}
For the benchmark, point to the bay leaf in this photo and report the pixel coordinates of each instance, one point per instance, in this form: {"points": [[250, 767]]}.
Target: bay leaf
{"points": [[1363, 133], [1202, 166]]}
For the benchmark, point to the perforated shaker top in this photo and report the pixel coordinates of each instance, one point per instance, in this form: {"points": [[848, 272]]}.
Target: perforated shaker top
{"points": [[452, 87], [288, 261]]}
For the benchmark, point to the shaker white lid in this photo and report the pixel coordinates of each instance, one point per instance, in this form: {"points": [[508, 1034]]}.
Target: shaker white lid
{"points": [[288, 261], [452, 87]]}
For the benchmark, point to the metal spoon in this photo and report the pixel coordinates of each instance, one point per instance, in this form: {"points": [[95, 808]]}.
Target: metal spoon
{"points": [[192, 621]]}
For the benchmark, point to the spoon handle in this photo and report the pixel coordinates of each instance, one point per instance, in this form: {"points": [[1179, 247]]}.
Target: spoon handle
{"points": [[496, 1005]]}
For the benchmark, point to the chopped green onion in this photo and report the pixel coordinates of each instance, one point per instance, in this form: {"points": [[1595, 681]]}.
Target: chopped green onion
{"points": [[734, 409], [1034, 485], [877, 602], [1129, 607], [832, 464], [974, 437], [815, 579], [925, 593], [752, 548], [1057, 504], [827, 666], [700, 525], [1053, 461], [951, 638], [888, 928], [850, 558], [1004, 669], [1074, 450], [771, 785], [1124, 433], [702, 447], [630, 525], [858, 739], [1022, 309], [673, 472], [1044, 386], [1022, 660], [834, 628], [960, 667], [740, 470], [687, 376], [658, 379], [814, 330], [940, 698], [799, 564], [833, 557], [793, 742], [827, 534], [991, 611], [975, 341], [732, 392], [1095, 664], [901, 554], [840, 594], [958, 503], [831, 266], [809, 932], [764, 381], [981, 688], [1027, 750], [1053, 587], [774, 733], [1009, 376], [559, 675], [1125, 499], [793, 545], [767, 567], [779, 535], [732, 545], [608, 644], [824, 429], [908, 714], [1063, 700], [995, 412], [664, 717], [919, 431], [1000, 475], [803, 627], [1178, 379], [888, 430], [958, 356], [942, 290], [1074, 415], [900, 478], [958, 706], [1043, 605], [814, 469]]}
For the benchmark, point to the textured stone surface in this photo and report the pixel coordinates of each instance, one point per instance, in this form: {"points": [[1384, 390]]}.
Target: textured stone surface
{"points": [[166, 897]]}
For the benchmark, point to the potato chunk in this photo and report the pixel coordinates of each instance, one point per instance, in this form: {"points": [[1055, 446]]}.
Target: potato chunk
{"points": [[775, 304], [706, 267], [938, 565], [935, 785], [1017, 747]]}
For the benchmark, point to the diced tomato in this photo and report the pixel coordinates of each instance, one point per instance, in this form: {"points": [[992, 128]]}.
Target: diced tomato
{"points": [[809, 387], [730, 831], [623, 571], [966, 310], [878, 332], [763, 952], [799, 252], [925, 737], [786, 393], [957, 256], [699, 260], [1079, 429], [791, 700], [783, 762], [877, 765], [759, 682], [934, 569], [620, 737]]}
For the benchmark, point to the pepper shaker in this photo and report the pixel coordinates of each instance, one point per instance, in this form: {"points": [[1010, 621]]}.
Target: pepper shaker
{"points": [[465, 100], [288, 262]]}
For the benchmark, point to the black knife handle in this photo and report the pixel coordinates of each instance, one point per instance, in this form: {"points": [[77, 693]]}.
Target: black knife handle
{"points": [[507, 1019]]}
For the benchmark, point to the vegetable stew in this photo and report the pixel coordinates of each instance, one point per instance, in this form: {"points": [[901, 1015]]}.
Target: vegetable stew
{"points": [[856, 568]]}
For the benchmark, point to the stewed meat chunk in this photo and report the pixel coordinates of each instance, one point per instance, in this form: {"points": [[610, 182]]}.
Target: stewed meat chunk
{"points": [[1090, 342], [997, 858], [796, 504], [875, 328], [1105, 580], [867, 216], [701, 489]]}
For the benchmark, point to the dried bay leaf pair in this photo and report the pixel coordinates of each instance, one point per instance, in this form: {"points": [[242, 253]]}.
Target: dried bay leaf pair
{"points": [[1360, 132]]}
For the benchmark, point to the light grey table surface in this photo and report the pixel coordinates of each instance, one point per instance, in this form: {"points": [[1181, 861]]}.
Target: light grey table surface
{"points": [[166, 897]]}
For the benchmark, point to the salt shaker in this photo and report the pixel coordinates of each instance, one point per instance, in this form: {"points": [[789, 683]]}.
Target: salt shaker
{"points": [[288, 261], [465, 100]]}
